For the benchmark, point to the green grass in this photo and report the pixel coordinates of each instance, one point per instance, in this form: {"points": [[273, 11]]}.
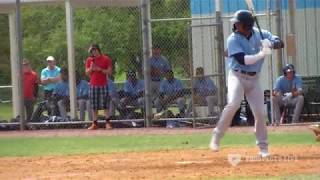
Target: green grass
{"points": [[42, 146], [5, 111]]}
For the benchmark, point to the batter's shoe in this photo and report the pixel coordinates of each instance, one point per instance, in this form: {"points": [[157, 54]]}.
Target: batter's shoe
{"points": [[264, 153], [214, 143], [94, 126]]}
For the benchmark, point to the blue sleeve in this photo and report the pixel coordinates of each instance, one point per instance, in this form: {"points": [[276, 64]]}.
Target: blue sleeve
{"points": [[234, 46], [179, 85], [141, 86], [167, 64], [162, 86], [277, 86], [126, 87], [211, 86], [85, 88], [298, 82], [43, 74]]}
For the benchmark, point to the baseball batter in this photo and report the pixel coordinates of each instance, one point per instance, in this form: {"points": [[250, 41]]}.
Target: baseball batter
{"points": [[246, 52]]}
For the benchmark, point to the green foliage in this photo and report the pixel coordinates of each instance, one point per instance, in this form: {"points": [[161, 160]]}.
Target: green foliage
{"points": [[116, 30], [24, 146], [4, 51]]}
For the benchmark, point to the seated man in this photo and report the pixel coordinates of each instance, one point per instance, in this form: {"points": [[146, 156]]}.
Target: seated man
{"points": [[61, 94], [288, 92], [171, 91], [134, 91], [114, 98], [204, 92], [83, 97]]}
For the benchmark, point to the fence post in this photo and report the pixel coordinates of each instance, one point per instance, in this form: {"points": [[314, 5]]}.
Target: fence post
{"points": [[146, 42], [71, 60], [279, 33], [220, 55], [16, 64]]}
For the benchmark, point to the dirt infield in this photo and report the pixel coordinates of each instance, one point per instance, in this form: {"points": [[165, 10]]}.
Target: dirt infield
{"points": [[170, 164], [173, 164]]}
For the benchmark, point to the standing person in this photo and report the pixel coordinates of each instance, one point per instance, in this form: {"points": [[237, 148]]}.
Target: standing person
{"points": [[98, 67], [50, 76], [30, 87], [246, 53], [288, 92], [158, 66]]}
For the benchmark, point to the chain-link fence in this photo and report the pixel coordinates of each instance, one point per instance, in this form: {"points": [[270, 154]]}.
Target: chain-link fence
{"points": [[186, 34]]}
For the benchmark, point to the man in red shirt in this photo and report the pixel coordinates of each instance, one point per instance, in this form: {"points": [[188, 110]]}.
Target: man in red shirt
{"points": [[30, 87], [98, 67]]}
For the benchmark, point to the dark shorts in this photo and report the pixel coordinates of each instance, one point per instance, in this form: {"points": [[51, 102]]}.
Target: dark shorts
{"points": [[99, 98]]}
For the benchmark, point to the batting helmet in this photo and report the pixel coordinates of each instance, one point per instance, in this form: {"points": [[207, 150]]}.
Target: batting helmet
{"points": [[288, 68], [245, 17]]}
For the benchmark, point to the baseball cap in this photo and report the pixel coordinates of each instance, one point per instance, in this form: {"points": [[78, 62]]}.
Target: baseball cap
{"points": [[50, 58]]}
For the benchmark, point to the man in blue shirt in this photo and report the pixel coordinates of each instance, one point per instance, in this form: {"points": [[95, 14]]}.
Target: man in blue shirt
{"points": [[83, 97], [50, 76], [288, 92], [158, 66], [114, 98], [171, 91], [205, 91], [246, 49], [61, 94], [134, 91]]}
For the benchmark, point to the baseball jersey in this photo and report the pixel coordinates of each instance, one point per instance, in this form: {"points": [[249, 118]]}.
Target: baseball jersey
{"points": [[160, 63], [204, 86], [62, 89], [133, 89], [30, 80], [99, 78], [284, 85], [237, 43], [112, 89], [46, 73], [170, 87], [83, 89]]}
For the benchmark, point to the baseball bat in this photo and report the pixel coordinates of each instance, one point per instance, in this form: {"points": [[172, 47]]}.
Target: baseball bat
{"points": [[251, 8]]}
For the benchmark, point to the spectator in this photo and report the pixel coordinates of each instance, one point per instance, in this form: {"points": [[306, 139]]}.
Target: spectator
{"points": [[98, 67], [205, 91], [61, 93], [133, 90], [114, 98], [50, 77], [171, 91], [83, 97], [288, 92], [30, 88], [158, 66]]}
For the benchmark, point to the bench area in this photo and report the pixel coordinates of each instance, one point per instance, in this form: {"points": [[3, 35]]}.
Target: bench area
{"points": [[311, 88]]}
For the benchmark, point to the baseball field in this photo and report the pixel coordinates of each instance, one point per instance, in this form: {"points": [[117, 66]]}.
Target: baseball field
{"points": [[157, 153]]}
